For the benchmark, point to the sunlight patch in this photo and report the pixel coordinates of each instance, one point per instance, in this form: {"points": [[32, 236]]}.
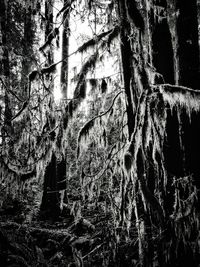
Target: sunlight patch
{"points": [[57, 93]]}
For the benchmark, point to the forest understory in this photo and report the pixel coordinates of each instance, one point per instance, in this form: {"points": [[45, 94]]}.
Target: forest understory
{"points": [[99, 133]]}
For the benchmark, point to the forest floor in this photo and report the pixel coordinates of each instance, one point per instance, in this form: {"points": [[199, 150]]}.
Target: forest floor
{"points": [[87, 241]]}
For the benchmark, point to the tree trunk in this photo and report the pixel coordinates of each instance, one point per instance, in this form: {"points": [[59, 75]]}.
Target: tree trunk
{"points": [[187, 49], [49, 27], [65, 51], [50, 201], [28, 53], [166, 52], [126, 65], [6, 130]]}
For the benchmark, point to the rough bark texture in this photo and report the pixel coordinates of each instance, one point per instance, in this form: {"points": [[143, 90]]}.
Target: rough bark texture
{"points": [[5, 69], [167, 52], [126, 64]]}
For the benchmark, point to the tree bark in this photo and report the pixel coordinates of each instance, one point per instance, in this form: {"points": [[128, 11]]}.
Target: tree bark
{"points": [[49, 27], [28, 52], [65, 51], [5, 70], [126, 64]]}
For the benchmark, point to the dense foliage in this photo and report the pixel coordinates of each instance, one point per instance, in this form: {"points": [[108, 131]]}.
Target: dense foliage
{"points": [[99, 133]]}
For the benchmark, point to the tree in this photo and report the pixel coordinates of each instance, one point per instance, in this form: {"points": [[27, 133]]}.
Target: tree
{"points": [[134, 165], [154, 55], [161, 61], [65, 50], [5, 71]]}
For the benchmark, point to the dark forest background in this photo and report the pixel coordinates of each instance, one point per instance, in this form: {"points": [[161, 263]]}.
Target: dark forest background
{"points": [[99, 133]]}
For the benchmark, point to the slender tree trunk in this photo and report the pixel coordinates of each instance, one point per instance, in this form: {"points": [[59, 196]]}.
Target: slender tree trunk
{"points": [[28, 53], [5, 70], [49, 27], [126, 65], [65, 51]]}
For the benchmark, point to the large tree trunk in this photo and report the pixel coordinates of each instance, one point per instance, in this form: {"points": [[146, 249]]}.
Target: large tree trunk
{"points": [[49, 208], [164, 52], [187, 49], [55, 171]]}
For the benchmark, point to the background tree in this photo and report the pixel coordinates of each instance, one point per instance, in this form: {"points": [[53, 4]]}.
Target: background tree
{"points": [[65, 50]]}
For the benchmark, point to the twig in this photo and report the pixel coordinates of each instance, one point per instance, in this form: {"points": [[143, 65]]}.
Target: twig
{"points": [[10, 91], [93, 250], [101, 114], [175, 88]]}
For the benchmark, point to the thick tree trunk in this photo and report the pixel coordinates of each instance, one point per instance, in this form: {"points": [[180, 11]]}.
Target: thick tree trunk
{"points": [[162, 51], [50, 205], [133, 42], [176, 58], [187, 48], [50, 201], [183, 21]]}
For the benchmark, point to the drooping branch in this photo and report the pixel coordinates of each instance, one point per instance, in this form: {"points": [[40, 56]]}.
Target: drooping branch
{"points": [[65, 8], [177, 88], [169, 95], [50, 37], [86, 128], [181, 96], [23, 174], [10, 91], [97, 175], [24, 106], [110, 34]]}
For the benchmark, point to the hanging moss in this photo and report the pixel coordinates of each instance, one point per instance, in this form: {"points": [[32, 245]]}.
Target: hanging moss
{"points": [[49, 69], [111, 34], [149, 135], [98, 120], [83, 134], [156, 103], [134, 14], [53, 34], [80, 91], [87, 66]]}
